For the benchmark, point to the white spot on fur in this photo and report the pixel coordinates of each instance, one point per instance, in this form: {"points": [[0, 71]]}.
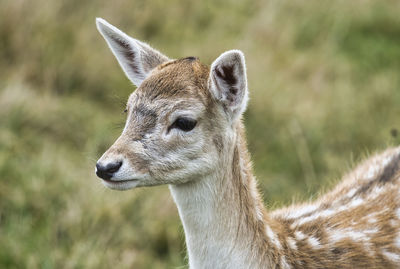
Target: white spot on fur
{"points": [[338, 235], [376, 192], [398, 213], [302, 211], [351, 193], [356, 202], [371, 231], [397, 241], [292, 243], [328, 212], [284, 263], [357, 236], [387, 160], [360, 237], [314, 242], [305, 220], [272, 236], [259, 213], [372, 171], [391, 256], [299, 235]]}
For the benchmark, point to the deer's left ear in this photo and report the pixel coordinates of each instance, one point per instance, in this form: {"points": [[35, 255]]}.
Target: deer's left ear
{"points": [[136, 58], [228, 82]]}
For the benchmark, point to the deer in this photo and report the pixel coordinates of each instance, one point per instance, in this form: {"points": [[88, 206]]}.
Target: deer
{"points": [[184, 128]]}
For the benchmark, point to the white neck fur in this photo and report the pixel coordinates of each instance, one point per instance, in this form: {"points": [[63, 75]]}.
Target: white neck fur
{"points": [[221, 219]]}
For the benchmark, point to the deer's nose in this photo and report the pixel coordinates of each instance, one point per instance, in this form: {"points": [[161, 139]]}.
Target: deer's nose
{"points": [[108, 170]]}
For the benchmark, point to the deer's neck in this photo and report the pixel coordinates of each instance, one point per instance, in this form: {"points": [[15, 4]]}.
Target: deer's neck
{"points": [[223, 217]]}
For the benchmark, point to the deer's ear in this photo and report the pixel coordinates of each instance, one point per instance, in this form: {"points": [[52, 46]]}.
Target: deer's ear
{"points": [[136, 58], [228, 82]]}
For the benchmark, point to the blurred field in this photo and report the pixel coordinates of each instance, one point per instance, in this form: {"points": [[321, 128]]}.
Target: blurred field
{"points": [[325, 91]]}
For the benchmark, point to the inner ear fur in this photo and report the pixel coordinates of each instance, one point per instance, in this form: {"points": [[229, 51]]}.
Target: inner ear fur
{"points": [[228, 82]]}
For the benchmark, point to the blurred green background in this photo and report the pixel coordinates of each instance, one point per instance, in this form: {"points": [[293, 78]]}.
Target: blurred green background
{"points": [[325, 92]]}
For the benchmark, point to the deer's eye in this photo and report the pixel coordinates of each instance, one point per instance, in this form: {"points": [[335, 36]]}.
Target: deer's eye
{"points": [[184, 124]]}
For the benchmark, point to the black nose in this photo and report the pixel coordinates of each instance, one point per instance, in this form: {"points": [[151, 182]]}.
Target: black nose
{"points": [[107, 171]]}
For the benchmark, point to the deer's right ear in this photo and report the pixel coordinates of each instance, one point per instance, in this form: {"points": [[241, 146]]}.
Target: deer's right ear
{"points": [[136, 58], [228, 82]]}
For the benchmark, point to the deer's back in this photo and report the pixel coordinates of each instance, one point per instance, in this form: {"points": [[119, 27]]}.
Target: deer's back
{"points": [[355, 225]]}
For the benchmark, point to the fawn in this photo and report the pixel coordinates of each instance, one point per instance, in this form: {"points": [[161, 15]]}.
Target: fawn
{"points": [[184, 129]]}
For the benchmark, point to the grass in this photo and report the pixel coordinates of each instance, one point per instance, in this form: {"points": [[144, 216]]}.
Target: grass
{"points": [[324, 88]]}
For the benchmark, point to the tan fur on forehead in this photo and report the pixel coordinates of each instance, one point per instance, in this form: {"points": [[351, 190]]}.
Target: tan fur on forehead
{"points": [[185, 77]]}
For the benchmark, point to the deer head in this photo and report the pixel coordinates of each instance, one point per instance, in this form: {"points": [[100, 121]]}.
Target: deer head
{"points": [[181, 118]]}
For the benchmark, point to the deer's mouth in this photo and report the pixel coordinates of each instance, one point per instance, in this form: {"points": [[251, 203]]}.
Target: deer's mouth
{"points": [[120, 184]]}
